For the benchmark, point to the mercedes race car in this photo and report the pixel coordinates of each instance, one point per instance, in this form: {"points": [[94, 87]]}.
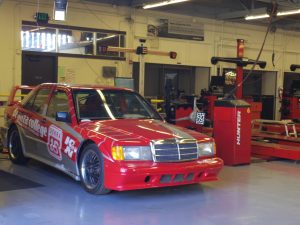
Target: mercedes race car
{"points": [[107, 138]]}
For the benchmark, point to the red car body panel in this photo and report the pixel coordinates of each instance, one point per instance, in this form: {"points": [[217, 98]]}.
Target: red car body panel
{"points": [[118, 175], [137, 175]]}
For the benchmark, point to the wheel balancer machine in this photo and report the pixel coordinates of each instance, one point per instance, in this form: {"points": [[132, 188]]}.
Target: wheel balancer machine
{"points": [[232, 117]]}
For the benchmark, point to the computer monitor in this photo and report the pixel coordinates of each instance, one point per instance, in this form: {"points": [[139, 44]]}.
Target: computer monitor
{"points": [[217, 81]]}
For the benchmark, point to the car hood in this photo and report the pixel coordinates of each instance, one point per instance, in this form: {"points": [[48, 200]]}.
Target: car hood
{"points": [[134, 130]]}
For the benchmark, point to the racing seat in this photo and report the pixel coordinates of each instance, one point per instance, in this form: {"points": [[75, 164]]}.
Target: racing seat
{"points": [[93, 107], [122, 105]]}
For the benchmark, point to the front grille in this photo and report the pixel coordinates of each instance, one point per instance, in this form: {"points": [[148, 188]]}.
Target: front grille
{"points": [[175, 150]]}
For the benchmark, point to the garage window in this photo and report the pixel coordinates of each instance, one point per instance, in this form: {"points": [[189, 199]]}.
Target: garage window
{"points": [[62, 39]]}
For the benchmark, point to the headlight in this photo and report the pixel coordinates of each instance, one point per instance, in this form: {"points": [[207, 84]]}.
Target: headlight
{"points": [[206, 148], [131, 153]]}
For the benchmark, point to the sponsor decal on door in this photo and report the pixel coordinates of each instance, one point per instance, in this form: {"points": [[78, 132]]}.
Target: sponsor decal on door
{"points": [[31, 124], [70, 149], [54, 144]]}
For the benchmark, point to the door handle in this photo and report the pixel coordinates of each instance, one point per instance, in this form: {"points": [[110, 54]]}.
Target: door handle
{"points": [[43, 120]]}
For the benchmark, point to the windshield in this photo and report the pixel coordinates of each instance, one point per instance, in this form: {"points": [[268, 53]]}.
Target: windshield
{"points": [[94, 104]]}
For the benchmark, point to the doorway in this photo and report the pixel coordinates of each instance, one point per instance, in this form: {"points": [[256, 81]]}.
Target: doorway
{"points": [[260, 86], [37, 69], [289, 78], [188, 80]]}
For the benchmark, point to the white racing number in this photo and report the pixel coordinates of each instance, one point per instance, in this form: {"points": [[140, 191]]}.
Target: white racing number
{"points": [[55, 135]]}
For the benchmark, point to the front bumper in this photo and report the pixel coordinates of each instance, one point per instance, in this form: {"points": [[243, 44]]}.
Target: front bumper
{"points": [[123, 176]]}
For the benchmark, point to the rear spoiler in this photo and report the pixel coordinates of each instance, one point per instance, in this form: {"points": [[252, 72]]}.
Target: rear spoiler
{"points": [[12, 98]]}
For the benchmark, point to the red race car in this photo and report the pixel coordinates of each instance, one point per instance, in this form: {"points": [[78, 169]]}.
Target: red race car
{"points": [[107, 138]]}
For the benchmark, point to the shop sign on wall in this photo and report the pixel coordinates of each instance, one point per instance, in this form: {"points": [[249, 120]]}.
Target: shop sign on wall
{"points": [[181, 29], [66, 75]]}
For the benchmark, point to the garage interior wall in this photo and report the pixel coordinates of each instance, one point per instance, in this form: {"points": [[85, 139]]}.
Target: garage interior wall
{"points": [[220, 40], [202, 79]]}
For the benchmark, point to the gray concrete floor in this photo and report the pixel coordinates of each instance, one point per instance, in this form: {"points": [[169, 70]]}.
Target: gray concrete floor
{"points": [[261, 193]]}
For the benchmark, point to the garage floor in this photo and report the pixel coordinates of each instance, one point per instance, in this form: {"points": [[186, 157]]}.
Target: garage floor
{"points": [[262, 193]]}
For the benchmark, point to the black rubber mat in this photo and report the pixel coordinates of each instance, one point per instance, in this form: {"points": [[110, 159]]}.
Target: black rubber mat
{"points": [[9, 182]]}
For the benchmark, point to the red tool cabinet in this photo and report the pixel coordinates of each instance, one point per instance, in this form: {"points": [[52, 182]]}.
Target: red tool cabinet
{"points": [[232, 131]]}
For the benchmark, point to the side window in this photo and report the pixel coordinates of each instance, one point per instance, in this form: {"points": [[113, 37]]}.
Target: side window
{"points": [[39, 101], [58, 103], [36, 102], [29, 103]]}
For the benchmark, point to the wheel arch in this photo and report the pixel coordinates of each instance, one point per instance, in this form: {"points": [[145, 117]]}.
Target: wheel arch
{"points": [[100, 186], [103, 149], [17, 156], [81, 147], [11, 126]]}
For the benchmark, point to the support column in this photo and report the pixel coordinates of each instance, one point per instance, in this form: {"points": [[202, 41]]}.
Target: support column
{"points": [[239, 70], [141, 75]]}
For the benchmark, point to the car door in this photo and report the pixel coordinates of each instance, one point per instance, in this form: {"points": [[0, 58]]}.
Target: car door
{"points": [[31, 123], [62, 140]]}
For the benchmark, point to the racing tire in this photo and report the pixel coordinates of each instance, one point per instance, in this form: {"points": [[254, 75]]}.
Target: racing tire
{"points": [[91, 167], [15, 150]]}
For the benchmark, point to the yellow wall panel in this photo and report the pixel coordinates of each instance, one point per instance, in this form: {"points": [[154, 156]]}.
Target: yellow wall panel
{"points": [[220, 40]]}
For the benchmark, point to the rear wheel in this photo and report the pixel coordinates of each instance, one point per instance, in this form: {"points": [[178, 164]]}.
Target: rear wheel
{"points": [[91, 165], [1, 146], [15, 151]]}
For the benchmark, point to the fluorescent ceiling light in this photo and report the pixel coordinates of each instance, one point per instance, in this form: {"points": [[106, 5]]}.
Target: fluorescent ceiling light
{"points": [[290, 12], [163, 3], [265, 15], [59, 15], [107, 37], [259, 16], [60, 9]]}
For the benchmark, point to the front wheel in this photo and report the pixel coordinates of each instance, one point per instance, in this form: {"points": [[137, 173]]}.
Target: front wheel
{"points": [[91, 165], [15, 151]]}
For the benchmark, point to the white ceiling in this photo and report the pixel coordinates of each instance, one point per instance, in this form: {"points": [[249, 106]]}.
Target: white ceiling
{"points": [[229, 10]]}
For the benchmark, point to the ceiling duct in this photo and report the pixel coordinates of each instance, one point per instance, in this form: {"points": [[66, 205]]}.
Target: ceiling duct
{"points": [[181, 29]]}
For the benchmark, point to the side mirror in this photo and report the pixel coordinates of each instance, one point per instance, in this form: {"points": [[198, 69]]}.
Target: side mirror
{"points": [[63, 117]]}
